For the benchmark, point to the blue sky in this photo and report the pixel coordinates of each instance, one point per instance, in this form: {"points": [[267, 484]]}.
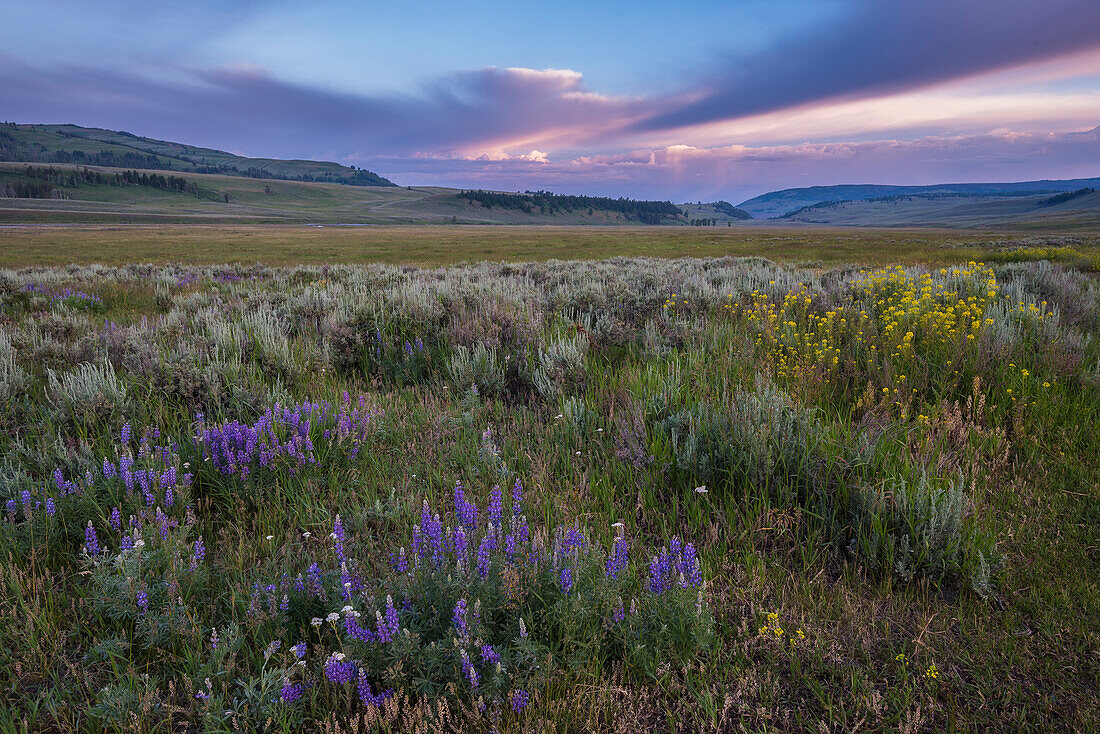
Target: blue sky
{"points": [[681, 101]]}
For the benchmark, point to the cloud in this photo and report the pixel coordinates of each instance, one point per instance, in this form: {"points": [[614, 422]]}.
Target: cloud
{"points": [[888, 47], [243, 107], [737, 172]]}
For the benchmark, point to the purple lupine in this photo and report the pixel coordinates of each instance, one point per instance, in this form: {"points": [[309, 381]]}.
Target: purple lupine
{"points": [[510, 547], [291, 692], [496, 509], [484, 555], [517, 500], [617, 561], [401, 564], [339, 671], [198, 553], [116, 519], [465, 511], [565, 578], [388, 626], [689, 567], [51, 508], [574, 541], [124, 439], [520, 699], [110, 471], [368, 697], [659, 570], [91, 542], [619, 614], [458, 618], [355, 631], [300, 650], [143, 601], [489, 655], [468, 670], [338, 538]]}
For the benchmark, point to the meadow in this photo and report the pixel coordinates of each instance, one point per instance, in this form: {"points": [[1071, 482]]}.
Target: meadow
{"points": [[713, 493]]}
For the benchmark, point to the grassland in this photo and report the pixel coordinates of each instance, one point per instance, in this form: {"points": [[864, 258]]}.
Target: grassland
{"points": [[441, 245], [219, 483]]}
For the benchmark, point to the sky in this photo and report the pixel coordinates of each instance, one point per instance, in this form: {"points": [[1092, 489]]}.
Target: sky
{"points": [[683, 101]]}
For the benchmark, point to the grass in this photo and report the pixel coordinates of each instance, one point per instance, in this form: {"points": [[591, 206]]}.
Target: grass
{"points": [[443, 245], [917, 512]]}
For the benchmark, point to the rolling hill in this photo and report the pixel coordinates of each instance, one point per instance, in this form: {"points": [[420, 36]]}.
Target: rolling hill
{"points": [[1070, 209], [776, 204], [96, 147], [68, 193]]}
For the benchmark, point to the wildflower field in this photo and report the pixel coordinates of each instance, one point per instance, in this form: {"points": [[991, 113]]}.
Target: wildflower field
{"points": [[623, 495]]}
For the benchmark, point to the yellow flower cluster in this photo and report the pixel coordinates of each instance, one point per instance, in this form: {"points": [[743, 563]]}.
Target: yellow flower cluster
{"points": [[892, 316], [909, 309], [772, 628]]}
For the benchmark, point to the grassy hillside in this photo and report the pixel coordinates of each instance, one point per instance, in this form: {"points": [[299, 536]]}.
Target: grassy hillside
{"points": [[75, 195], [778, 203], [1070, 209], [94, 146]]}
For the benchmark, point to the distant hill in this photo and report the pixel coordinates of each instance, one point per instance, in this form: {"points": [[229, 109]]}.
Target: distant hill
{"points": [[713, 213], [115, 149], [1078, 208], [776, 204]]}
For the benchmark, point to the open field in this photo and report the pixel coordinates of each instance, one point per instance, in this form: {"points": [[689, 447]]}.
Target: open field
{"points": [[441, 245], [634, 495]]}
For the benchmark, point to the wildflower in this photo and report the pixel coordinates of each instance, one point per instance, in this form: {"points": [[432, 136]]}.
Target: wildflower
{"points": [[701, 490], [458, 618], [520, 699], [367, 696], [338, 671], [333, 617], [214, 640], [522, 628], [291, 692], [143, 600], [619, 614], [489, 655], [932, 672], [566, 580], [468, 670], [616, 562], [91, 542], [198, 554], [51, 508], [338, 536]]}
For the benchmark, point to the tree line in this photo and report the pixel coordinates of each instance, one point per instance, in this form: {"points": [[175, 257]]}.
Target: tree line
{"points": [[38, 182], [645, 212]]}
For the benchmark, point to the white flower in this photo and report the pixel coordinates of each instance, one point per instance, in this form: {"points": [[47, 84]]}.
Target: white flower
{"points": [[306, 534], [558, 415], [270, 537], [337, 656], [599, 430], [347, 608], [353, 613], [332, 617], [578, 453], [316, 621], [701, 490]]}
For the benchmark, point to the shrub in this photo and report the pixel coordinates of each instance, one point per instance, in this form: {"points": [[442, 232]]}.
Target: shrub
{"points": [[477, 367], [91, 392]]}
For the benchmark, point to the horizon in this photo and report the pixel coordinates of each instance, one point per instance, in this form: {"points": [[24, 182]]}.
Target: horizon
{"points": [[772, 96]]}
